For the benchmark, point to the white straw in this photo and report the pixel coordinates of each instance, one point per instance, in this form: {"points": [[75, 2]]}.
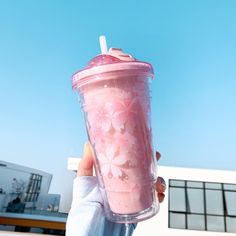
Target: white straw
{"points": [[103, 44]]}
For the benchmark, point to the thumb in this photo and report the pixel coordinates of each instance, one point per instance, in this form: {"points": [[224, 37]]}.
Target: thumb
{"points": [[86, 164]]}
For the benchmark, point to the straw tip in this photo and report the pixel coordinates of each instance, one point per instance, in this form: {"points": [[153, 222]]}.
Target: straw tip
{"points": [[102, 37], [103, 44]]}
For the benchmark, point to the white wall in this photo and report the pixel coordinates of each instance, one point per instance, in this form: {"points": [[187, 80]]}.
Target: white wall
{"points": [[62, 184]]}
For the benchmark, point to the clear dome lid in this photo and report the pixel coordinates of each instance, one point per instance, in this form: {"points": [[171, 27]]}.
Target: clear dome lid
{"points": [[113, 61]]}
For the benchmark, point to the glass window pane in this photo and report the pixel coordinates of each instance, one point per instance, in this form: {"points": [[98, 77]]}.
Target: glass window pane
{"points": [[195, 184], [196, 222], [214, 202], [213, 185], [195, 200], [177, 220], [177, 199], [178, 183], [231, 224], [230, 186], [230, 198], [215, 223]]}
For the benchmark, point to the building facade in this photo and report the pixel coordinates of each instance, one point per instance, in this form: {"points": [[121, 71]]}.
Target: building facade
{"points": [[21, 181], [197, 202]]}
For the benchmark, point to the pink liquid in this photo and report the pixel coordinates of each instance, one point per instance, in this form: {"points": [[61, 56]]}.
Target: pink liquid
{"points": [[117, 115]]}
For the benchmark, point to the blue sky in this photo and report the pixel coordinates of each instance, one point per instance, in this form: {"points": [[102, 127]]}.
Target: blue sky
{"points": [[191, 45]]}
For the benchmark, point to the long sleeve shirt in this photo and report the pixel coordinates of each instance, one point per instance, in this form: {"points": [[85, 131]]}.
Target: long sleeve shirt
{"points": [[86, 216]]}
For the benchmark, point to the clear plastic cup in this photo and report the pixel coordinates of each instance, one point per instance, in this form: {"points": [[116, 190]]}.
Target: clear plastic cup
{"points": [[114, 94]]}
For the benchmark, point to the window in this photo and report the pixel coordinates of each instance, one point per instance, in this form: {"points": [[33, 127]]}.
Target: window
{"points": [[33, 188], [204, 206]]}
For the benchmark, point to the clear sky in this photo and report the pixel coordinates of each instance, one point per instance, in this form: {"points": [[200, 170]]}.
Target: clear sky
{"points": [[191, 45]]}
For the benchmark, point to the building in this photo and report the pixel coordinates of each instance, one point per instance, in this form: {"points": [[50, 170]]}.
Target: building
{"points": [[21, 181], [25, 204], [198, 202]]}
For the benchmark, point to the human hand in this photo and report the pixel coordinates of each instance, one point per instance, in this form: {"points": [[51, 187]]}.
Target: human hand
{"points": [[85, 168]]}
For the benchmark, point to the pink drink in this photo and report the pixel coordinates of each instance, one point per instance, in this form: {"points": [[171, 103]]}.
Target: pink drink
{"points": [[115, 98]]}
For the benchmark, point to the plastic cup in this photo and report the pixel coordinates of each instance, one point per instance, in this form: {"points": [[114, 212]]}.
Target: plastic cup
{"points": [[114, 95]]}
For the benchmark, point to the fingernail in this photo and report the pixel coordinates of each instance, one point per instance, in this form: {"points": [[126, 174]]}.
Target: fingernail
{"points": [[87, 149], [158, 153], [158, 156], [161, 197], [163, 183]]}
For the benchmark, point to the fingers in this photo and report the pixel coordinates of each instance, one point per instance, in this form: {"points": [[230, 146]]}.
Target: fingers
{"points": [[160, 188], [161, 197], [86, 164], [160, 183], [158, 156]]}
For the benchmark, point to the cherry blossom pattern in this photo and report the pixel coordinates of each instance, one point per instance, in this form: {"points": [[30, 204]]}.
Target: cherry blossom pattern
{"points": [[101, 117], [124, 140], [125, 110], [116, 114], [110, 163]]}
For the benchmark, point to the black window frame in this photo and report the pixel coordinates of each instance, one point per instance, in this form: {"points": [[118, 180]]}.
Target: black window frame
{"points": [[219, 187]]}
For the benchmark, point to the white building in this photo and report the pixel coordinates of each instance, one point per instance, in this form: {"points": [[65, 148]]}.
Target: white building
{"points": [[197, 202], [16, 179]]}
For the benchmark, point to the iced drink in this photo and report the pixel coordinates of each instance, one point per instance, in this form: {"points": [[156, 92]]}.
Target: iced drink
{"points": [[114, 92]]}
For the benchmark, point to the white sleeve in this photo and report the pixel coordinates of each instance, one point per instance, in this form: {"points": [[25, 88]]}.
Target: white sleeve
{"points": [[86, 217]]}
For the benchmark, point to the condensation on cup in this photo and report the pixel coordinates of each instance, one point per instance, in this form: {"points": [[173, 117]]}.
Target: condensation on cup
{"points": [[115, 97]]}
